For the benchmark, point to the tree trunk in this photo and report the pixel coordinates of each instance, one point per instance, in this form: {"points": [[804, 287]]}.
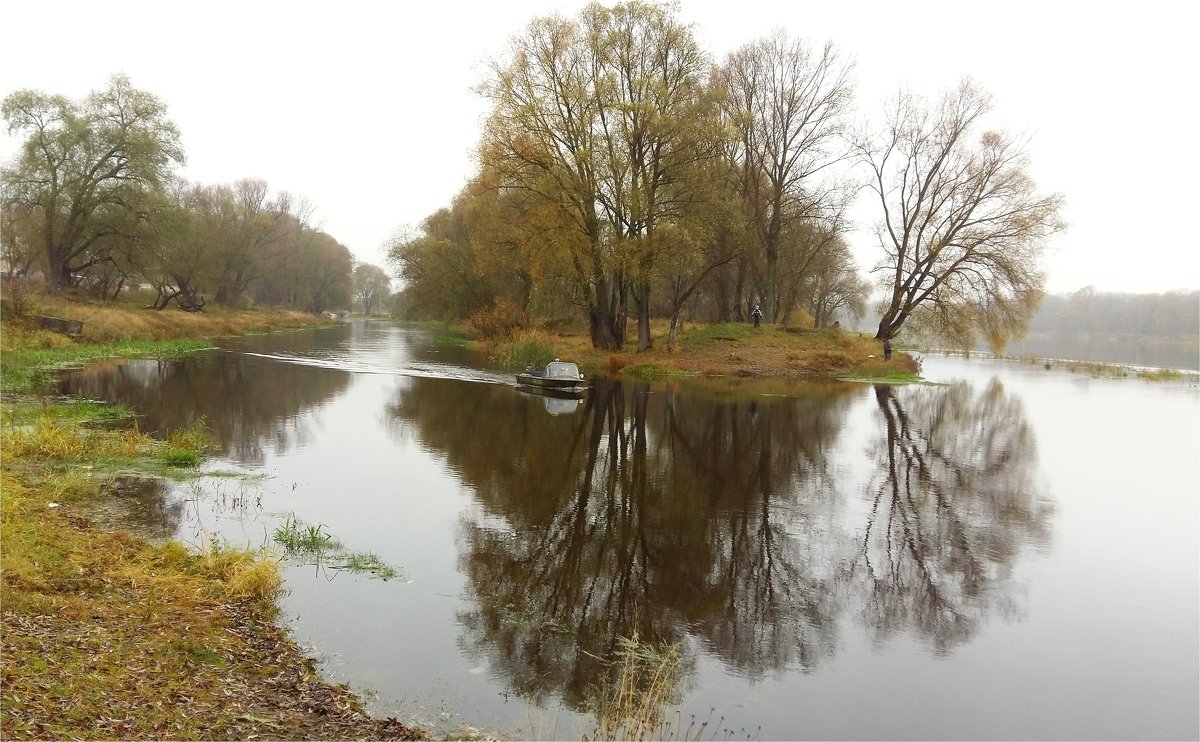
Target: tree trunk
{"points": [[642, 303], [605, 319], [56, 276], [602, 332], [889, 325], [739, 313], [673, 333]]}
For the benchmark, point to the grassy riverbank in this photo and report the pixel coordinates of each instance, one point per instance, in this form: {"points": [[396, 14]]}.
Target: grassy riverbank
{"points": [[120, 330], [106, 636]]}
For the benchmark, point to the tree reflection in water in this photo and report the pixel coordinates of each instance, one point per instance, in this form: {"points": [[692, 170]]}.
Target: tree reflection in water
{"points": [[952, 503], [247, 404], [723, 525]]}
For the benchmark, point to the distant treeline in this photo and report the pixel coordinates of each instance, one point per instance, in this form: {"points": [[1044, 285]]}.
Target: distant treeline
{"points": [[1089, 311]]}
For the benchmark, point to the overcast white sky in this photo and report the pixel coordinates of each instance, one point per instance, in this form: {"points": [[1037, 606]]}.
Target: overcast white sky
{"points": [[366, 107]]}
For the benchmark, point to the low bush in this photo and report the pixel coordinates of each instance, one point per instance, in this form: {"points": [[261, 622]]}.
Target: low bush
{"points": [[500, 320], [524, 348]]}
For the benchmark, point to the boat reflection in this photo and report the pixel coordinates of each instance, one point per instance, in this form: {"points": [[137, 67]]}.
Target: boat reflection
{"points": [[557, 401]]}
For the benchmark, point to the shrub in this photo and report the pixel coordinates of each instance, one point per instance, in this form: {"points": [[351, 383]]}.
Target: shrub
{"points": [[500, 320], [20, 298], [524, 348]]}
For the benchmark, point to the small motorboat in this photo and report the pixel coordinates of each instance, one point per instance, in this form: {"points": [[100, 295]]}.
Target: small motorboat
{"points": [[558, 375]]}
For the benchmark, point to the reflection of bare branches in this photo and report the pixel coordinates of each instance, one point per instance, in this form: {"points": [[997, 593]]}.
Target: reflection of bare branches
{"points": [[777, 610], [951, 508], [671, 517], [635, 518]]}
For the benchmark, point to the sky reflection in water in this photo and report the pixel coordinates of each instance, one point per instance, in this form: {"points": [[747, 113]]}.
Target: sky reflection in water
{"points": [[1010, 555]]}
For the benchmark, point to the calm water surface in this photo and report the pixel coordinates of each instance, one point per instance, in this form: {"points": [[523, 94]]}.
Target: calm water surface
{"points": [[1010, 554]]}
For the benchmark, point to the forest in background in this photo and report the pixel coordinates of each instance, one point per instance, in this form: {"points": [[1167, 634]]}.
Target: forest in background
{"points": [[1174, 313]]}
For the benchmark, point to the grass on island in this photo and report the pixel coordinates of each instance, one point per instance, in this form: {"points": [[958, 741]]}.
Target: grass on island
{"points": [[727, 349]]}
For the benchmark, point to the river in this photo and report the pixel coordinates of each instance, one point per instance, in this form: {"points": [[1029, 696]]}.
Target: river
{"points": [[1010, 552]]}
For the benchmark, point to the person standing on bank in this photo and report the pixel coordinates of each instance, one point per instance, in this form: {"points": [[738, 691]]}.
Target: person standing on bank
{"points": [[887, 350], [756, 315]]}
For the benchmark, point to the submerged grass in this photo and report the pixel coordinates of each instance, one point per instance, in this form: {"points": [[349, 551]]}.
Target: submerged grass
{"points": [[27, 367], [312, 543], [297, 536], [369, 563]]}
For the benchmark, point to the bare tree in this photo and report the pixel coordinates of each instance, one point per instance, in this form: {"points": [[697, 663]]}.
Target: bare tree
{"points": [[962, 229], [788, 102]]}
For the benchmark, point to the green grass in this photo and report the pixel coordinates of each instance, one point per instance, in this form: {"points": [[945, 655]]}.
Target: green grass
{"points": [[1163, 374], [296, 536], [83, 411], [369, 563], [306, 542], [187, 447], [729, 332]]}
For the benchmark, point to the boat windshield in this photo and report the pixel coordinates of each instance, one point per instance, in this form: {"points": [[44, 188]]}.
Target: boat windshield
{"points": [[561, 370]]}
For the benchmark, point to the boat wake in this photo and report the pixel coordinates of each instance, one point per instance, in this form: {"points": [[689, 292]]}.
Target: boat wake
{"points": [[426, 371]]}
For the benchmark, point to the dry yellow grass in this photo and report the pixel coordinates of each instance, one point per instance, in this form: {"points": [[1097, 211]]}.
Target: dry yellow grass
{"points": [[733, 349], [106, 321]]}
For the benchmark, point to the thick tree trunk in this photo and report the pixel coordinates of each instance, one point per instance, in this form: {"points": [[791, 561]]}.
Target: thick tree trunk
{"points": [[889, 325], [57, 276], [673, 333], [606, 319], [602, 332], [642, 304]]}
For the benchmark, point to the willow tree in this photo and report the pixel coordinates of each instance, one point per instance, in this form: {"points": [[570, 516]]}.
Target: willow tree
{"points": [[541, 137], [87, 168], [963, 227], [599, 118], [789, 103], [658, 127]]}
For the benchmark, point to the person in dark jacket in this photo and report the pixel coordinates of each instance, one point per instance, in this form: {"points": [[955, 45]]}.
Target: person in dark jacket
{"points": [[756, 315]]}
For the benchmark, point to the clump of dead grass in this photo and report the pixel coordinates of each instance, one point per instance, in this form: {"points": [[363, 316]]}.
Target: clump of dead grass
{"points": [[645, 683]]}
